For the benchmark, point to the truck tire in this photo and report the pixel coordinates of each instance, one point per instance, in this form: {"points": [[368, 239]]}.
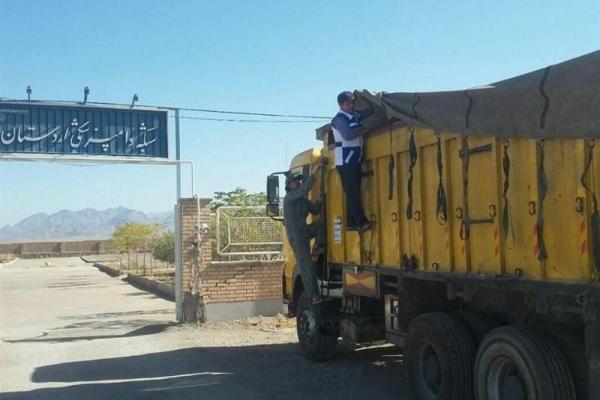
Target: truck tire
{"points": [[478, 323], [520, 362], [440, 354], [316, 341], [571, 343]]}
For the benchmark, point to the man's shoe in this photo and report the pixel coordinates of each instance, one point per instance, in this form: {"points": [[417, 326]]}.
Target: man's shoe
{"points": [[366, 226], [318, 250]]}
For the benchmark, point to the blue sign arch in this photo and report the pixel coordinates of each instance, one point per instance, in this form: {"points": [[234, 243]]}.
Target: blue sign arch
{"points": [[76, 129]]}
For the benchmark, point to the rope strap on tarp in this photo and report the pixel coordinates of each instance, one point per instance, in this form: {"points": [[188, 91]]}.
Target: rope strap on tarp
{"points": [[542, 181], [506, 170], [588, 164], [465, 226], [442, 202], [413, 161]]}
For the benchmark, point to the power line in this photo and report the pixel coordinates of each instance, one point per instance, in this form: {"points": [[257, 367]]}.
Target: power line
{"points": [[253, 113], [312, 121], [190, 109]]}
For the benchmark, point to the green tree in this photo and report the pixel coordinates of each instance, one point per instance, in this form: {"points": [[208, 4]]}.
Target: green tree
{"points": [[163, 247], [238, 197], [133, 235]]}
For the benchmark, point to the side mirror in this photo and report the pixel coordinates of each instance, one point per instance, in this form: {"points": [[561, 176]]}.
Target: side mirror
{"points": [[273, 189], [272, 209], [273, 196]]}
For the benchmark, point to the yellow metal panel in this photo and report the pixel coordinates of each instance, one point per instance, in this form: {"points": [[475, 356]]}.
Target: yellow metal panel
{"points": [[593, 180], [520, 245], [318, 187], [378, 145], [388, 221], [437, 243], [584, 234], [304, 158], [563, 225], [290, 263], [351, 239], [353, 248], [411, 229], [370, 191], [416, 223], [407, 237], [335, 218], [403, 228], [459, 248], [487, 251], [483, 191]]}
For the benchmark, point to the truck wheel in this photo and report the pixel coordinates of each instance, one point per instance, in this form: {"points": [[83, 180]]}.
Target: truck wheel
{"points": [[316, 340], [571, 342], [439, 355], [520, 363], [479, 324]]}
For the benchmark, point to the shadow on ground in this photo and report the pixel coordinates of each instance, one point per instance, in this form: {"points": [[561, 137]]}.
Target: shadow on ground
{"points": [[249, 373], [116, 314], [101, 322], [146, 329]]}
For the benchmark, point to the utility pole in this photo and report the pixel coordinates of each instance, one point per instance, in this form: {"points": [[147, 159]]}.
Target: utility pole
{"points": [[178, 266]]}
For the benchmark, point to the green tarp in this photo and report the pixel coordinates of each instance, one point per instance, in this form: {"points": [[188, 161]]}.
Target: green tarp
{"points": [[562, 100]]}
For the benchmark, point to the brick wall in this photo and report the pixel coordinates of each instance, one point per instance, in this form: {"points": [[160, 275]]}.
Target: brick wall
{"points": [[11, 248], [190, 217], [205, 282], [54, 249], [242, 281], [195, 256]]}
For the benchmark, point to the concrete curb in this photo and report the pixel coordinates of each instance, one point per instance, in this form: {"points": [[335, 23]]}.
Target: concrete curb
{"points": [[7, 263], [244, 309], [107, 270], [161, 289], [97, 258]]}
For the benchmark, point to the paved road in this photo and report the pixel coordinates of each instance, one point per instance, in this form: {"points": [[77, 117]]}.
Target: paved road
{"points": [[69, 331]]}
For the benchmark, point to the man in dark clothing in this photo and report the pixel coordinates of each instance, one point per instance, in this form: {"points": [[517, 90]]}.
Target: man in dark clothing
{"points": [[349, 133], [296, 207]]}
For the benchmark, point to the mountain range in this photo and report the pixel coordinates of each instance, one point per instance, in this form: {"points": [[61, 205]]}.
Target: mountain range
{"points": [[78, 225]]}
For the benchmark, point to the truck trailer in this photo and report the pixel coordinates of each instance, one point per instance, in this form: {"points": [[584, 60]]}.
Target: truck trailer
{"points": [[484, 259]]}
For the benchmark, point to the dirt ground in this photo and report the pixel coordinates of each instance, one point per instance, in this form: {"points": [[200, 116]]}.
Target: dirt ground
{"points": [[69, 331]]}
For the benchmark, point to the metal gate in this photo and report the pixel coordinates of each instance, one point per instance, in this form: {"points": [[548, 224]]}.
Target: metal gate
{"points": [[247, 231]]}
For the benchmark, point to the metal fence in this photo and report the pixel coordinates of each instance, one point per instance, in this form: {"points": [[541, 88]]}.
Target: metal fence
{"points": [[247, 231], [141, 262]]}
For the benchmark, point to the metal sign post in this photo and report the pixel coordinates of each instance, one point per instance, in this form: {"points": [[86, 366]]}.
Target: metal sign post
{"points": [[178, 265]]}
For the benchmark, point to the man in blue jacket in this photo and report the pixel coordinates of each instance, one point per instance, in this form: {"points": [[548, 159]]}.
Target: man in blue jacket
{"points": [[349, 135]]}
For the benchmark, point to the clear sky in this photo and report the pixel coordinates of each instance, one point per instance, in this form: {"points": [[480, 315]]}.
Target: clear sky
{"points": [[262, 56]]}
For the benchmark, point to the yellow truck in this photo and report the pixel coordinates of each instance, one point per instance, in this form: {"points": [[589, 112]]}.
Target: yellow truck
{"points": [[484, 260]]}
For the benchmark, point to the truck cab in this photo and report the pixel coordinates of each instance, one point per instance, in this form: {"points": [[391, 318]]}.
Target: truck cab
{"points": [[291, 283]]}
